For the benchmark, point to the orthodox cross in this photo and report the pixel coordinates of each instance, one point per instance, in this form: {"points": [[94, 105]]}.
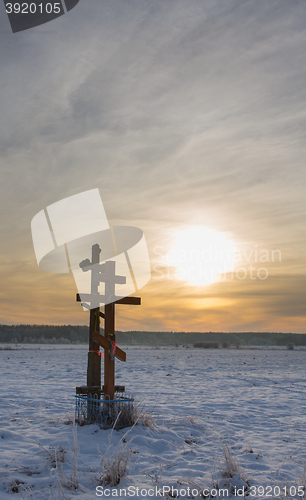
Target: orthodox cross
{"points": [[103, 273]]}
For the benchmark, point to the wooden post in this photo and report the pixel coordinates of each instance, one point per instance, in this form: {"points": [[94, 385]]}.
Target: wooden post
{"points": [[94, 358], [109, 364], [109, 332]]}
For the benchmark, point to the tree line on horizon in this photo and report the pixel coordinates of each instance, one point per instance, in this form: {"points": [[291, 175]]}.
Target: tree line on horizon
{"points": [[74, 334]]}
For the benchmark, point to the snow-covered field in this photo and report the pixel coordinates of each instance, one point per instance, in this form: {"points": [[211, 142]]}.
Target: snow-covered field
{"points": [[246, 405]]}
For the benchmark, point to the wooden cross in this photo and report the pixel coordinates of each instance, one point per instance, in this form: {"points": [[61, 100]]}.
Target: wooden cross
{"points": [[103, 273]]}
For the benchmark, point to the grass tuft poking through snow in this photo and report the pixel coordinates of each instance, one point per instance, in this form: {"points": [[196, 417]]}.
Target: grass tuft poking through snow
{"points": [[114, 466], [146, 419], [73, 481], [70, 481], [231, 467]]}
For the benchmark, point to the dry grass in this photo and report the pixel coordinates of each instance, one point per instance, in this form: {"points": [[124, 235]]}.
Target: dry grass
{"points": [[143, 416], [60, 481], [146, 419], [231, 466], [191, 419], [15, 486], [114, 466], [60, 454], [302, 481], [67, 419], [63, 480], [72, 482]]}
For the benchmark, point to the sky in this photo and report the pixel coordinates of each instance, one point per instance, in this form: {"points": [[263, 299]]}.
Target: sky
{"points": [[189, 117]]}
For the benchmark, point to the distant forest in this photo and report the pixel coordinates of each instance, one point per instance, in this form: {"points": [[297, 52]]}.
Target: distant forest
{"points": [[69, 334]]}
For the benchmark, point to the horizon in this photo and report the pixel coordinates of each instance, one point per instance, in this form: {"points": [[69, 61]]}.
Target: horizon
{"points": [[158, 331]]}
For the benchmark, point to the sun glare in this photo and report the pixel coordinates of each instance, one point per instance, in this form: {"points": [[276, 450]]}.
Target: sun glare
{"points": [[201, 256]]}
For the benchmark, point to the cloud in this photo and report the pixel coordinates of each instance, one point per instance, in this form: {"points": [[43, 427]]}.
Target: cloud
{"points": [[180, 112]]}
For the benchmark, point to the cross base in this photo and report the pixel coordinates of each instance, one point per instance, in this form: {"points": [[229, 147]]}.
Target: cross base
{"points": [[85, 389]]}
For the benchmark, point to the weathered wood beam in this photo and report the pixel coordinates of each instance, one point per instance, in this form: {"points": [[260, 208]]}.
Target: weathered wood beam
{"points": [[101, 314], [84, 389], [134, 301], [103, 342]]}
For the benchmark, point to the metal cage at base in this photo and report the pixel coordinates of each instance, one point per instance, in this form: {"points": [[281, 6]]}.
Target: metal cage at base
{"points": [[95, 409]]}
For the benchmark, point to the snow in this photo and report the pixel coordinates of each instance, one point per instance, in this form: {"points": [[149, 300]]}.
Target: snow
{"points": [[244, 404]]}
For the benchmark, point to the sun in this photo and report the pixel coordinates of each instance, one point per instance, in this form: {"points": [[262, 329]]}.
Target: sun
{"points": [[201, 256]]}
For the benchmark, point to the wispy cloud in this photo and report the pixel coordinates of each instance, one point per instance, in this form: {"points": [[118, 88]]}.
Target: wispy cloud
{"points": [[180, 112]]}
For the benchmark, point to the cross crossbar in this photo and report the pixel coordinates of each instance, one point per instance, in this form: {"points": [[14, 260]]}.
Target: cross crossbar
{"points": [[103, 342], [133, 301], [108, 278]]}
